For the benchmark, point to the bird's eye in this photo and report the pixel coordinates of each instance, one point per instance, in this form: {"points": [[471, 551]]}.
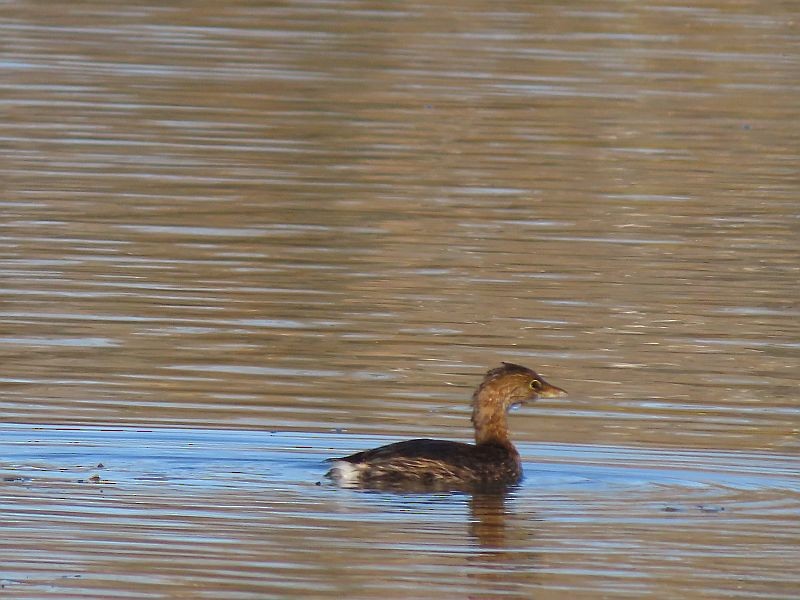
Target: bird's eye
{"points": [[536, 384]]}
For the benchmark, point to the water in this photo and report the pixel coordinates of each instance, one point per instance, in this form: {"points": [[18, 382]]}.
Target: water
{"points": [[246, 514], [238, 239]]}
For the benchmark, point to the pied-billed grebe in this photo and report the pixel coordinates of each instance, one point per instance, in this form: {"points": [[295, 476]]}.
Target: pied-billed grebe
{"points": [[441, 464]]}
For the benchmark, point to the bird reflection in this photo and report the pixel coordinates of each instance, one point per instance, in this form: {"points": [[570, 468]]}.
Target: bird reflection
{"points": [[501, 566], [487, 525]]}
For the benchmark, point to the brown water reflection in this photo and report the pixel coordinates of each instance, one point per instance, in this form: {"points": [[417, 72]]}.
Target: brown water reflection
{"points": [[330, 219], [488, 519], [503, 565]]}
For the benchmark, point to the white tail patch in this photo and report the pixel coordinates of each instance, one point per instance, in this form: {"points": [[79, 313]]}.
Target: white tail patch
{"points": [[344, 473]]}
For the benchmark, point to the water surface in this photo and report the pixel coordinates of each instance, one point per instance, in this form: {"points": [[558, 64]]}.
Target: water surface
{"points": [[237, 239], [211, 513]]}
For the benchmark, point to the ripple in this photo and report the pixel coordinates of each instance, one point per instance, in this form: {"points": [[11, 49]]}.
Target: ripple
{"points": [[245, 508]]}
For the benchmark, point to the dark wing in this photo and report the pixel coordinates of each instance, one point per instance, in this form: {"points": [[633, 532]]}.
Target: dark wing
{"points": [[421, 448], [425, 464]]}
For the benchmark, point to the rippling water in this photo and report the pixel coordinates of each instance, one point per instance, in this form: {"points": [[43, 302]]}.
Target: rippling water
{"points": [[241, 513], [237, 239]]}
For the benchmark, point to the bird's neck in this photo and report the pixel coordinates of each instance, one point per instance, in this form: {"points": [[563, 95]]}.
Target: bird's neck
{"points": [[489, 418]]}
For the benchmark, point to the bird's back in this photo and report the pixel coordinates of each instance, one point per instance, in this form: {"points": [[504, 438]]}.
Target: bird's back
{"points": [[428, 463]]}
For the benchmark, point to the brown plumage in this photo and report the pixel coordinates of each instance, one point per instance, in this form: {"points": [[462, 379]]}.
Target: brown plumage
{"points": [[439, 464]]}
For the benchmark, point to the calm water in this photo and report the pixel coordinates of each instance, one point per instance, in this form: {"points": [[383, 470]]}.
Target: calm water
{"points": [[238, 238]]}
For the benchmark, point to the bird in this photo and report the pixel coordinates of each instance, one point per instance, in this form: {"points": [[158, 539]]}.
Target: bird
{"points": [[432, 464]]}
